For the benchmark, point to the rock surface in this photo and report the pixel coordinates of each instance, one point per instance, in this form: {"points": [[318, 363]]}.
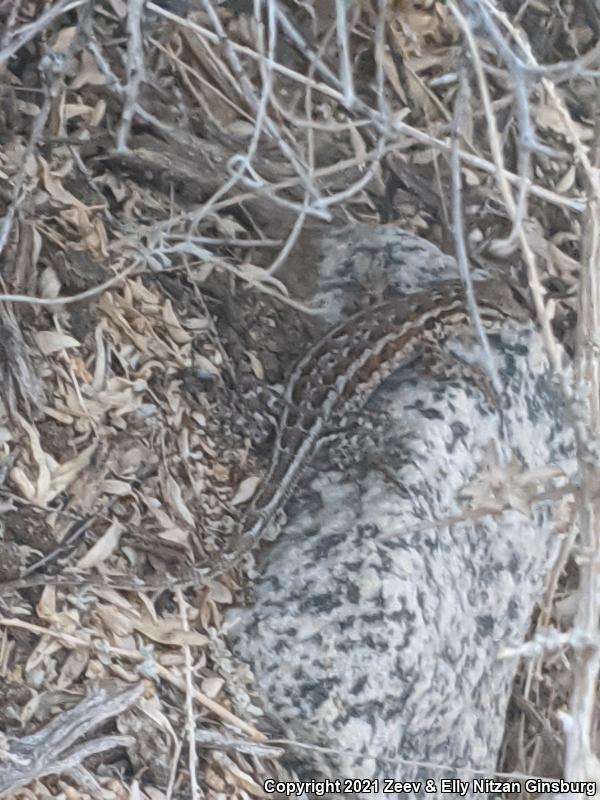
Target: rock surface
{"points": [[383, 606]]}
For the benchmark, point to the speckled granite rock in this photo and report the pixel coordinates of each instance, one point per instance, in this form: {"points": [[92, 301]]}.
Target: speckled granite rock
{"points": [[376, 630]]}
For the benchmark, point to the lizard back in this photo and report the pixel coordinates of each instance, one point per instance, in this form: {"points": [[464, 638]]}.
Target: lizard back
{"points": [[343, 368]]}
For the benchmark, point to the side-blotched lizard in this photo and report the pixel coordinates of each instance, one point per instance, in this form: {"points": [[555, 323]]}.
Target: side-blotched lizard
{"points": [[338, 373]]}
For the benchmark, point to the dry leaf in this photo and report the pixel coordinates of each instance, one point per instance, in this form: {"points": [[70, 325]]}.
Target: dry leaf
{"points": [[169, 632], [113, 486], [73, 668], [88, 73], [65, 474], [53, 341], [245, 490], [212, 686], [49, 283], [118, 622], [196, 323], [175, 500], [64, 39], [220, 594], [55, 188], [103, 548], [255, 363], [176, 332], [547, 116], [243, 780]]}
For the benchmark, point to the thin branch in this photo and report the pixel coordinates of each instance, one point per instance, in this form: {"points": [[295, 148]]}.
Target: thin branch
{"points": [[135, 70], [48, 751]]}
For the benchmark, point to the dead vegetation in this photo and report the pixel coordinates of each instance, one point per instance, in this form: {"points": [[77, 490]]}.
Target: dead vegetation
{"points": [[164, 169]]}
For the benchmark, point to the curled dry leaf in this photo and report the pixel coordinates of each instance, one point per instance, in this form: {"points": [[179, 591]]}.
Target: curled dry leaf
{"points": [[176, 501], [176, 332]]}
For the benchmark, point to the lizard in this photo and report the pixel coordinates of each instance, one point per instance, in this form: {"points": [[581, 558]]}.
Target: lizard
{"points": [[336, 374]]}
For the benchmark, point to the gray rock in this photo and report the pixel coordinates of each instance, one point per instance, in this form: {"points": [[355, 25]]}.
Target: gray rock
{"points": [[376, 628]]}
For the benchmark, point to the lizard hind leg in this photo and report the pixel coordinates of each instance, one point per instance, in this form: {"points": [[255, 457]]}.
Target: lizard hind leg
{"points": [[349, 439]]}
